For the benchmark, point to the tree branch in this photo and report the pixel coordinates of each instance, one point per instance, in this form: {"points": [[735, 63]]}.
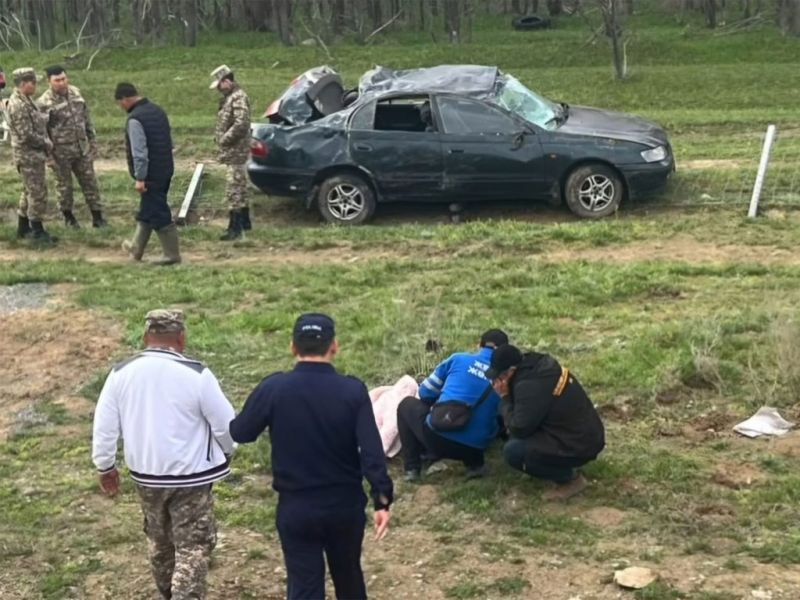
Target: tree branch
{"points": [[384, 26]]}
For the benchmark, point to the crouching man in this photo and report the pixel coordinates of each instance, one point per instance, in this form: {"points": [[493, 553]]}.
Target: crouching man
{"points": [[553, 424]]}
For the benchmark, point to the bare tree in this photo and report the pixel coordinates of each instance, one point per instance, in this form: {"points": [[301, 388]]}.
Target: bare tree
{"points": [[189, 15], [789, 16]]}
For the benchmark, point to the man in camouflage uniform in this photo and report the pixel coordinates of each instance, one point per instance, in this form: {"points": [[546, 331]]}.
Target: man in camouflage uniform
{"points": [[232, 134], [30, 148], [173, 418], [74, 145]]}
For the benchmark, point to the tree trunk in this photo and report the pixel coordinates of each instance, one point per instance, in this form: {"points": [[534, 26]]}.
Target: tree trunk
{"points": [[138, 21], [710, 8], [452, 20], [189, 14], [555, 7], [284, 15], [612, 15]]}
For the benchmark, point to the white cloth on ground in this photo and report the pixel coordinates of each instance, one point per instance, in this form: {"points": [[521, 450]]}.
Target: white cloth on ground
{"points": [[766, 421], [385, 400]]}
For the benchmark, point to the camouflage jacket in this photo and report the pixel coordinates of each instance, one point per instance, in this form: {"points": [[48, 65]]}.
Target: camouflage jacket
{"points": [[28, 129], [232, 132], [68, 119]]}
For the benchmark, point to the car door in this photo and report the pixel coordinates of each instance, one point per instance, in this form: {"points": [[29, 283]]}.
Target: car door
{"points": [[390, 140], [488, 154]]}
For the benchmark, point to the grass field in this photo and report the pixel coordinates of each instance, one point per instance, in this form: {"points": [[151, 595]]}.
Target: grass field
{"points": [[679, 315]]}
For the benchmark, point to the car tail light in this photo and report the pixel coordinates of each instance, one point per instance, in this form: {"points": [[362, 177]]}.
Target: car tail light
{"points": [[259, 149]]}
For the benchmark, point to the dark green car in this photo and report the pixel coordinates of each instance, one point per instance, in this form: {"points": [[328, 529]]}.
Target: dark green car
{"points": [[449, 134]]}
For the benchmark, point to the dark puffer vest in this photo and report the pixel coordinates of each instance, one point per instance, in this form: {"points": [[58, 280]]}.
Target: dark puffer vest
{"points": [[159, 140]]}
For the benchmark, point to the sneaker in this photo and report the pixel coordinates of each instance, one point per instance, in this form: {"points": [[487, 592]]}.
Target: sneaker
{"points": [[565, 491], [476, 472], [436, 467], [412, 476]]}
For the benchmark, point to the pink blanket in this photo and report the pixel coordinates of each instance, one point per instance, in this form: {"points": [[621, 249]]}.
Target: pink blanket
{"points": [[385, 400]]}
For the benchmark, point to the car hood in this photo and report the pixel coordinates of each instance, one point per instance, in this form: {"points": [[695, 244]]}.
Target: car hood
{"points": [[595, 122]]}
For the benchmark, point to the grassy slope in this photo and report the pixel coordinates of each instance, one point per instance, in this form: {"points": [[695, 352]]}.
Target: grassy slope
{"points": [[674, 350]]}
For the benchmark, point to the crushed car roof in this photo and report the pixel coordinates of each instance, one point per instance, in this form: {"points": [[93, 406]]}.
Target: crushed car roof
{"points": [[471, 80]]}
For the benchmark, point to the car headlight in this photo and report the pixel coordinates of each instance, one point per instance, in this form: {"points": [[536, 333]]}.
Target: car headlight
{"points": [[655, 154]]}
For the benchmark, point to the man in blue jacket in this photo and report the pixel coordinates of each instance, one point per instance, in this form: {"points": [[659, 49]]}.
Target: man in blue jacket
{"points": [[324, 441], [462, 377]]}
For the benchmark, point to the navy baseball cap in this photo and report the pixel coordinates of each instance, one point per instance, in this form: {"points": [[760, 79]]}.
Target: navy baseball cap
{"points": [[503, 358], [314, 326], [495, 337]]}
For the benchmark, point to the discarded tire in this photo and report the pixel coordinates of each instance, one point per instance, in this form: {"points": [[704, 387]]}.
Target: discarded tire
{"points": [[530, 23]]}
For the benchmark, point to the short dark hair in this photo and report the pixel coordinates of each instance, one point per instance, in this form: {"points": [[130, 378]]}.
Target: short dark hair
{"points": [[54, 70], [494, 337], [125, 90], [312, 346], [229, 77]]}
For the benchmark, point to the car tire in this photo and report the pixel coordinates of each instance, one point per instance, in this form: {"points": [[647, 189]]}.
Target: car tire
{"points": [[594, 191], [346, 199]]}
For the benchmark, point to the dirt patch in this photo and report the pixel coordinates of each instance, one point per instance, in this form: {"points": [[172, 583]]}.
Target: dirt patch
{"points": [[788, 445], [728, 163], [46, 355], [605, 517], [737, 476]]}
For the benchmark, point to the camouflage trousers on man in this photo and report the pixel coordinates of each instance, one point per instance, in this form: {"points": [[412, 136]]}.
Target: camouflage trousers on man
{"points": [[236, 186], [82, 166], [33, 200], [179, 523]]}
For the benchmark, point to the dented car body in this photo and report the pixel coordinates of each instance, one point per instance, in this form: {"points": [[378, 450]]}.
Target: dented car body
{"points": [[449, 134]]}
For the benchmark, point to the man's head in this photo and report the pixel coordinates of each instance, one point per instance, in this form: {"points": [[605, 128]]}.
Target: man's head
{"points": [[25, 80], [314, 336], [57, 77], [222, 79], [126, 95], [505, 361], [165, 328], [493, 338]]}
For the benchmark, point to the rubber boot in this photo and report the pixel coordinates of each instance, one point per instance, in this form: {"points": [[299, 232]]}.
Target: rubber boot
{"points": [[40, 236], [234, 231], [168, 236], [136, 246], [70, 220], [246, 224], [23, 227], [98, 220]]}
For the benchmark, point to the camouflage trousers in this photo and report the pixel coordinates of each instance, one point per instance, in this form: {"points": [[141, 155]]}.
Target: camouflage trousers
{"points": [[82, 166], [33, 200], [236, 186], [179, 523]]}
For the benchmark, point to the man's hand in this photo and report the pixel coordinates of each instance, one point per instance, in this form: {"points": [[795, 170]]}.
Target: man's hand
{"points": [[109, 483], [140, 187], [382, 518]]}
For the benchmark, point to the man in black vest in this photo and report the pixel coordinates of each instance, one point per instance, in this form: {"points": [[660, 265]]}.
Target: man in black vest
{"points": [[148, 144]]}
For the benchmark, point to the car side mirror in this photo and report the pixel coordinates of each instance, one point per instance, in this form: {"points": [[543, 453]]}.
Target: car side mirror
{"points": [[519, 140]]}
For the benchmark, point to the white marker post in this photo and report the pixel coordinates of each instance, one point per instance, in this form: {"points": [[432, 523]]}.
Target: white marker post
{"points": [[194, 190], [762, 171]]}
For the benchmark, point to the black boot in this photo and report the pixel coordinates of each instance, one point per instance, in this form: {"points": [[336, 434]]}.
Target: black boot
{"points": [[246, 225], [70, 220], [234, 231], [40, 235], [23, 227], [98, 220]]}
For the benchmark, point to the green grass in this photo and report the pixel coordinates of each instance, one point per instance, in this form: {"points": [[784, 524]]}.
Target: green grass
{"points": [[712, 326]]}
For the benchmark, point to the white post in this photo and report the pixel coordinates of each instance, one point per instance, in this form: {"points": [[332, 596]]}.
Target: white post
{"points": [[762, 171], [194, 187]]}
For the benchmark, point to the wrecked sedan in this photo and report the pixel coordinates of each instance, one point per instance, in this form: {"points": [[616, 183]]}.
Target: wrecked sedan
{"points": [[449, 134]]}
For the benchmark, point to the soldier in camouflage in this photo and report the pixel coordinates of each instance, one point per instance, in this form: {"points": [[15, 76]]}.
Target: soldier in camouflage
{"points": [[30, 148], [232, 134], [173, 419], [74, 145]]}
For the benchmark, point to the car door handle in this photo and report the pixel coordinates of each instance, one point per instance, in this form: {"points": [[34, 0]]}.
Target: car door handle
{"points": [[363, 147], [456, 151]]}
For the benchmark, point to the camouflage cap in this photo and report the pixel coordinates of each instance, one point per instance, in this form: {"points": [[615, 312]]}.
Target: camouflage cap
{"points": [[164, 320], [218, 75], [24, 74]]}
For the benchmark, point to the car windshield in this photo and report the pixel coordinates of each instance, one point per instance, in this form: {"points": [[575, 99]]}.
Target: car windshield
{"points": [[530, 106]]}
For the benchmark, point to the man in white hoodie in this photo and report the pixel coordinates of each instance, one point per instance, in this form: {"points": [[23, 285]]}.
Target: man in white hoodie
{"points": [[174, 417]]}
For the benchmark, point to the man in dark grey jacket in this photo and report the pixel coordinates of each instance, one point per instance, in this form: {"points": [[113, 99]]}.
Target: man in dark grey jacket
{"points": [[553, 424], [148, 143]]}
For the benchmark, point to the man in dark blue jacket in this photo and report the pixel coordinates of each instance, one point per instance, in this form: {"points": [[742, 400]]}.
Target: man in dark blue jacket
{"points": [[148, 144], [459, 378], [324, 442]]}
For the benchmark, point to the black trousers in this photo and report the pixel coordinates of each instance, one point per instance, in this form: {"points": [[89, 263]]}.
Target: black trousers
{"points": [[417, 438], [153, 206], [560, 469], [308, 536]]}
